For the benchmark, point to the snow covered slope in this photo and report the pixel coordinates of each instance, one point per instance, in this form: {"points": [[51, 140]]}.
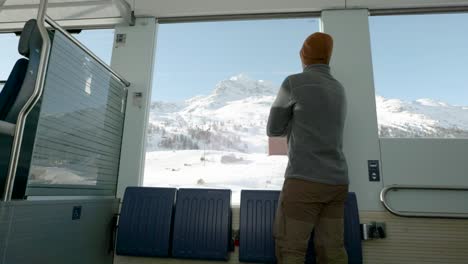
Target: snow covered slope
{"points": [[232, 118], [421, 118], [218, 169]]}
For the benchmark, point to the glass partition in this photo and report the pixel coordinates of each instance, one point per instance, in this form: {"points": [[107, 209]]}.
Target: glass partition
{"points": [[79, 132]]}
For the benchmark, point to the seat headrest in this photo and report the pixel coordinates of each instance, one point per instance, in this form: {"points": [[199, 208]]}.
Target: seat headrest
{"points": [[28, 29]]}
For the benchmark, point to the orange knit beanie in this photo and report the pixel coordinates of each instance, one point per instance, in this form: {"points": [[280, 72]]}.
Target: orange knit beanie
{"points": [[317, 49]]}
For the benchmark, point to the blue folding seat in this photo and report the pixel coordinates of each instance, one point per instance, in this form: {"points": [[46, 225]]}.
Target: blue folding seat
{"points": [[202, 224], [257, 214], [145, 222]]}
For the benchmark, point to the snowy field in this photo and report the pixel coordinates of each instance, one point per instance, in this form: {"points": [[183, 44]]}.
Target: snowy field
{"points": [[214, 169]]}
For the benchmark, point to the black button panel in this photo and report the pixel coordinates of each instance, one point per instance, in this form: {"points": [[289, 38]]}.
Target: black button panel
{"points": [[374, 171], [76, 214]]}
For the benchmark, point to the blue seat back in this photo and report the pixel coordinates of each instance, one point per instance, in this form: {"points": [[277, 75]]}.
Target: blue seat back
{"points": [[257, 214], [145, 222], [30, 44], [202, 224], [352, 235]]}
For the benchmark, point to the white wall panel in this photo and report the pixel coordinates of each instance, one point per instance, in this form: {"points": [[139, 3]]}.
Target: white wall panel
{"points": [[426, 162], [352, 65], [417, 241], [134, 60]]}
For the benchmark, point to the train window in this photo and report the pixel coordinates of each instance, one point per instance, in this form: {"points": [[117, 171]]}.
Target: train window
{"points": [[214, 83], [420, 65], [8, 54], [99, 41]]}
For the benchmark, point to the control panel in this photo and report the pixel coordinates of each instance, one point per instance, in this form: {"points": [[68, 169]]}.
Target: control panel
{"points": [[374, 170]]}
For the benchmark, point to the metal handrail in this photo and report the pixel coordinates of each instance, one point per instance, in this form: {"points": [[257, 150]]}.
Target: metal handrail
{"points": [[36, 95], [383, 195], [57, 27]]}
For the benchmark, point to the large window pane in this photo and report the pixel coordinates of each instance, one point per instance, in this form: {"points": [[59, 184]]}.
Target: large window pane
{"points": [[99, 41], [214, 84], [8, 54], [420, 68]]}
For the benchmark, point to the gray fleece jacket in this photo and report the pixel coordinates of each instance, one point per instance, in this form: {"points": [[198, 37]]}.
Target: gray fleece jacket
{"points": [[310, 110]]}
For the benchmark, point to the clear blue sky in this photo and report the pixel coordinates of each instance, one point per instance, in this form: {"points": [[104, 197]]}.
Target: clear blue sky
{"points": [[413, 56], [421, 56], [192, 57]]}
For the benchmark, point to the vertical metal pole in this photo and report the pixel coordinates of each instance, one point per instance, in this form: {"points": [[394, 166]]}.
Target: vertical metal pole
{"points": [[38, 89]]}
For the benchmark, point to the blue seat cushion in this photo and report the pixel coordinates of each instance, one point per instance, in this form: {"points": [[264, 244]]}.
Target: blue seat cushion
{"points": [[257, 214]]}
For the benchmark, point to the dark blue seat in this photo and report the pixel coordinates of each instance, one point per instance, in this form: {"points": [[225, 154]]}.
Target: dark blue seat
{"points": [[12, 86], [145, 222], [257, 217], [352, 232], [8, 96], [14, 95], [257, 214], [202, 224]]}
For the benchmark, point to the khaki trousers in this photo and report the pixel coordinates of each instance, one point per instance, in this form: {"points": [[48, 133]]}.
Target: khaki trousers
{"points": [[305, 206]]}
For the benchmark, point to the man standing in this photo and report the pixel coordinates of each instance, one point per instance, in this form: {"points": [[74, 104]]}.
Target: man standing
{"points": [[310, 110]]}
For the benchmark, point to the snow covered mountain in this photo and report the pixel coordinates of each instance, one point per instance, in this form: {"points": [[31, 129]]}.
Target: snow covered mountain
{"points": [[233, 118], [421, 118]]}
